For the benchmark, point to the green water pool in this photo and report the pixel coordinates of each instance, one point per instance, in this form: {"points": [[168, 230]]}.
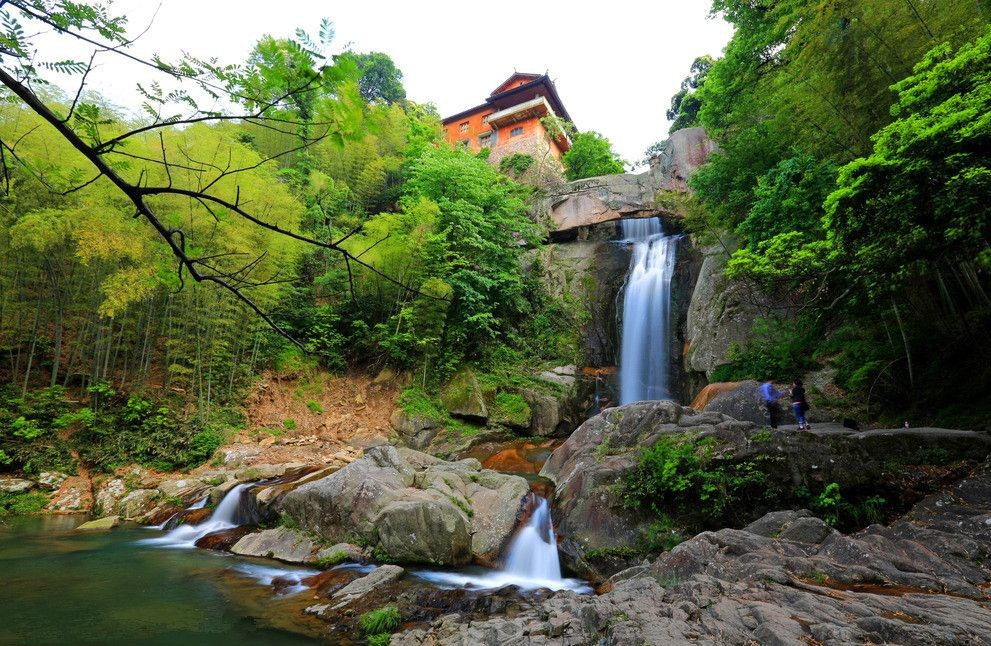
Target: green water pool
{"points": [[58, 586]]}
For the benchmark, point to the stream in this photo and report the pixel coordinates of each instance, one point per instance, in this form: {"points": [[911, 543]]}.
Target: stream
{"points": [[147, 585]]}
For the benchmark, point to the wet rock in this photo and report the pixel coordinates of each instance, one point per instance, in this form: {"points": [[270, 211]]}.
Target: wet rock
{"points": [[281, 543], [51, 480], [101, 524], [358, 588], [15, 485], [223, 540], [181, 517], [341, 552]]}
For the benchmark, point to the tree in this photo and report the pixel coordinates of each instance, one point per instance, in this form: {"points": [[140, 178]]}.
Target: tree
{"points": [[685, 104], [591, 155], [381, 81], [213, 190]]}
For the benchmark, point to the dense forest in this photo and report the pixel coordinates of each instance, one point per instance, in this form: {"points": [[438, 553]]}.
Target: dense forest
{"points": [[155, 265], [320, 223], [853, 171]]}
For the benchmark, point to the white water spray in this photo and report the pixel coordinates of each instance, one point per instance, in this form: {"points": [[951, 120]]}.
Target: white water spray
{"points": [[223, 517], [646, 334]]}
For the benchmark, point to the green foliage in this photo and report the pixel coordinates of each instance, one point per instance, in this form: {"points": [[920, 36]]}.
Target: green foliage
{"points": [[314, 407], [511, 408], [381, 81], [685, 104], [31, 430], [330, 560], [516, 164], [381, 639], [678, 473], [778, 349], [661, 535], [23, 503], [381, 620], [289, 424], [417, 403], [591, 155], [836, 511]]}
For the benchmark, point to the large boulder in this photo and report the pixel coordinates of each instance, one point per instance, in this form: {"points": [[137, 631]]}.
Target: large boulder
{"points": [[737, 399], [137, 503], [413, 507], [589, 507], [462, 397], [416, 430]]}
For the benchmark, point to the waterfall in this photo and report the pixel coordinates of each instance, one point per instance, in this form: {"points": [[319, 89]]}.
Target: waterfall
{"points": [[646, 332], [225, 516], [533, 553]]}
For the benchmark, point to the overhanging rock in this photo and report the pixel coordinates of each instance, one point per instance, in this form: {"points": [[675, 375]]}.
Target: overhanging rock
{"points": [[612, 197]]}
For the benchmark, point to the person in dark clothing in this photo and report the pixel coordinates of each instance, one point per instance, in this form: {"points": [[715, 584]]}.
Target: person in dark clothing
{"points": [[770, 396], [799, 405]]}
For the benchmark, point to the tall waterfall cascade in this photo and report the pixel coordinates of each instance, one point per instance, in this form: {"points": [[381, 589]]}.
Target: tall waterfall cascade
{"points": [[645, 338]]}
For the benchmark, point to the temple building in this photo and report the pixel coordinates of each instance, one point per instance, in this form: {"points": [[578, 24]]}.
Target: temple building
{"points": [[508, 121]]}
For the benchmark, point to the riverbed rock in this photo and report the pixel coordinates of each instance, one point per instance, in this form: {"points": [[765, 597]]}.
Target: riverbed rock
{"points": [[186, 489], [281, 543], [15, 485], [51, 480], [100, 524], [413, 506], [921, 580], [137, 503], [360, 587]]}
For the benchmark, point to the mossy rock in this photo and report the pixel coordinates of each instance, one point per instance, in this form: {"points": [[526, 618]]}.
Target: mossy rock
{"points": [[511, 409], [462, 397]]}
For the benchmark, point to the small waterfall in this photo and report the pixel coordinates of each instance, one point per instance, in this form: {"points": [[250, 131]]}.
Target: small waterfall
{"points": [[225, 516], [533, 553], [646, 330]]}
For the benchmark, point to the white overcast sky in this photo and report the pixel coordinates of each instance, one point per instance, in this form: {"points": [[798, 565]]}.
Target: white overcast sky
{"points": [[615, 63]]}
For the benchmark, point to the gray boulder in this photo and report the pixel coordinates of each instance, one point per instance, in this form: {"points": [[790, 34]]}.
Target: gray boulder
{"points": [[15, 485], [416, 430], [462, 397], [739, 400], [413, 506], [280, 543]]}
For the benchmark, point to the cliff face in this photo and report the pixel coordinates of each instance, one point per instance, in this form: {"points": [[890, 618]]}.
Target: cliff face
{"points": [[585, 263]]}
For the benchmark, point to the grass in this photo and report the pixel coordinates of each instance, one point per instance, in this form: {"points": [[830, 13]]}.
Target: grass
{"points": [[314, 407], [380, 621], [332, 559]]}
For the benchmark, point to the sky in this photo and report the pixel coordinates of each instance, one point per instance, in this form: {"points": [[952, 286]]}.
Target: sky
{"points": [[615, 63]]}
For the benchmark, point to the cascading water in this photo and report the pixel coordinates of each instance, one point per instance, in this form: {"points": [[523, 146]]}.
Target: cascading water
{"points": [[645, 337], [531, 561], [225, 516], [533, 553]]}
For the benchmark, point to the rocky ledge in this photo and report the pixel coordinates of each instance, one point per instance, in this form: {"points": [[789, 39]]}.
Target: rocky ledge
{"points": [[591, 467], [785, 579]]}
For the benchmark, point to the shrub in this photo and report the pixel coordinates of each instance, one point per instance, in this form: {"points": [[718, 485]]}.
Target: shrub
{"points": [[314, 407], [17, 504]]}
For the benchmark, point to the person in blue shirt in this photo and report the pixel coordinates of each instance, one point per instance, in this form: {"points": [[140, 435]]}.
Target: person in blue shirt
{"points": [[770, 396]]}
